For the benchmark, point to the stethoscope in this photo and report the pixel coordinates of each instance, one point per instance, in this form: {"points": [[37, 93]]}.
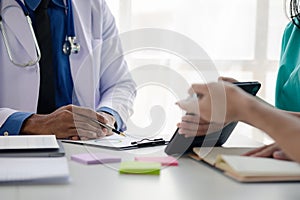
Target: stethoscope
{"points": [[70, 45]]}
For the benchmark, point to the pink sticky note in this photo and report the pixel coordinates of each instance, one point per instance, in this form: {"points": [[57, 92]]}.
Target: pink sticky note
{"points": [[165, 160], [95, 158]]}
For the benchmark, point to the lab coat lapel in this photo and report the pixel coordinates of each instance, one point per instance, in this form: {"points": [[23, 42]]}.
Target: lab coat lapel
{"points": [[17, 25], [82, 63]]}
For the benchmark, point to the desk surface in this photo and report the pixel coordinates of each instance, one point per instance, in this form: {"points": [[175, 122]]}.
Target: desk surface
{"points": [[190, 180]]}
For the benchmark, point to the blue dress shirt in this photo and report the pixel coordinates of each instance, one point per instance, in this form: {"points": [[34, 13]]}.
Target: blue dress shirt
{"points": [[64, 82]]}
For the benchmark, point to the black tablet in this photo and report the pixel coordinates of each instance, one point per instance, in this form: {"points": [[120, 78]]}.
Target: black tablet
{"points": [[180, 144]]}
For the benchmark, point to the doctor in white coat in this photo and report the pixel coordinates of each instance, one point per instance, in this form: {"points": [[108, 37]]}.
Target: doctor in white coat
{"points": [[102, 86]]}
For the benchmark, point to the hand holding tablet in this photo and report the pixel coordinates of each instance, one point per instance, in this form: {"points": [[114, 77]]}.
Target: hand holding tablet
{"points": [[180, 144]]}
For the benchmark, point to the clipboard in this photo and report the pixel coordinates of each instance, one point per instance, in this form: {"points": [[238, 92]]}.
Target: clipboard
{"points": [[117, 142]]}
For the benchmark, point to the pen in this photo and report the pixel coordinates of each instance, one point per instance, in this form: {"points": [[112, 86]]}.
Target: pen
{"points": [[105, 125], [109, 127]]}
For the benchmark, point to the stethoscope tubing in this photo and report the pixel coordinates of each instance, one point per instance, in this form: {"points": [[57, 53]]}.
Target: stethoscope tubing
{"points": [[6, 43], [69, 47]]}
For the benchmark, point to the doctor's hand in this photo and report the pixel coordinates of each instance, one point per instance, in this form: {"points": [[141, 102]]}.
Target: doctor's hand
{"points": [[268, 151], [110, 121], [70, 122]]}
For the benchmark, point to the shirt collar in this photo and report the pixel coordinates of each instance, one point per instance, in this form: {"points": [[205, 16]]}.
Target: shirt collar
{"points": [[33, 4]]}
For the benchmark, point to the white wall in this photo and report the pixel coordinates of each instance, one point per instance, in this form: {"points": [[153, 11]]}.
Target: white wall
{"points": [[242, 37]]}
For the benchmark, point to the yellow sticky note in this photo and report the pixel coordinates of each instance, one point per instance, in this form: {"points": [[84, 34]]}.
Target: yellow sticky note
{"points": [[134, 167]]}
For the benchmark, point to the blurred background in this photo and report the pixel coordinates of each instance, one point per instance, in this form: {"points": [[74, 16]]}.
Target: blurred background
{"points": [[243, 38]]}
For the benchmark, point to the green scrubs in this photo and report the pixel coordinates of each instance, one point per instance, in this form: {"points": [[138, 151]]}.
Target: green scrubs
{"points": [[288, 79]]}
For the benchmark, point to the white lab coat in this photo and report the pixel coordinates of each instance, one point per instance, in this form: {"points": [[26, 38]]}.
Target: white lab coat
{"points": [[98, 81]]}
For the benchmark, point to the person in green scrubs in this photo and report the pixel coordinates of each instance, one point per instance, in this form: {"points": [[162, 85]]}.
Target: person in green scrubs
{"points": [[284, 128], [288, 79]]}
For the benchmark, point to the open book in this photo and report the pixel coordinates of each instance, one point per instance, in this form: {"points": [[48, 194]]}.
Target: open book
{"points": [[248, 169]]}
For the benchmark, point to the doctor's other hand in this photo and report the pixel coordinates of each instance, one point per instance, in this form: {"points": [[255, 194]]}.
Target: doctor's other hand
{"points": [[269, 151], [192, 125], [217, 102], [110, 121], [67, 122]]}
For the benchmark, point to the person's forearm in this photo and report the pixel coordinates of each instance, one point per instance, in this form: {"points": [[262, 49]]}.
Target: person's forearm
{"points": [[296, 114], [282, 127]]}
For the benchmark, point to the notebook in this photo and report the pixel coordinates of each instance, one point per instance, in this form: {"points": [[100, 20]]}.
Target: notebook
{"points": [[248, 169], [31, 146], [28, 142]]}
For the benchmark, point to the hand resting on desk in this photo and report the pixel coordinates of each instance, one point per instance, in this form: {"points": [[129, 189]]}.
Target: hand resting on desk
{"points": [[268, 151]]}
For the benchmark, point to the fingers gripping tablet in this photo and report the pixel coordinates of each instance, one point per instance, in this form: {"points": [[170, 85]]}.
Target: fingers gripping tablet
{"points": [[180, 144]]}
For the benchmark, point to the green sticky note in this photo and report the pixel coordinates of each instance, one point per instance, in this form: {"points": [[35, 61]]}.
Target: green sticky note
{"points": [[134, 167]]}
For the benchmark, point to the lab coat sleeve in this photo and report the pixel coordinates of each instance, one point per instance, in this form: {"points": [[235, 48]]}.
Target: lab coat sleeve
{"points": [[14, 123], [4, 115], [117, 88]]}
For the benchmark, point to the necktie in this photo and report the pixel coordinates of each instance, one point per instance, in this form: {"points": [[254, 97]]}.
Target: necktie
{"points": [[46, 102]]}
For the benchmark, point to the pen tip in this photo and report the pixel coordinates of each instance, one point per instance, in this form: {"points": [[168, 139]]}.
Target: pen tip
{"points": [[122, 134]]}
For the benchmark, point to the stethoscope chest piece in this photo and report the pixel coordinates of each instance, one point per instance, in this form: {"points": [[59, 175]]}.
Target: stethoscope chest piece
{"points": [[71, 46]]}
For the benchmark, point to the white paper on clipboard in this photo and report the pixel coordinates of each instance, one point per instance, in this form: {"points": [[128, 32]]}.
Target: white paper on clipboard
{"points": [[118, 142]]}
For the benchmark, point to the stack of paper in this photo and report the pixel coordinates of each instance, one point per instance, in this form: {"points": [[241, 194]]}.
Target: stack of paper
{"points": [[34, 169], [29, 159]]}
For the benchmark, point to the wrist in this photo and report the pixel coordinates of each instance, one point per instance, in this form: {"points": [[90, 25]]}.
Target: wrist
{"points": [[34, 125], [246, 109], [237, 103]]}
